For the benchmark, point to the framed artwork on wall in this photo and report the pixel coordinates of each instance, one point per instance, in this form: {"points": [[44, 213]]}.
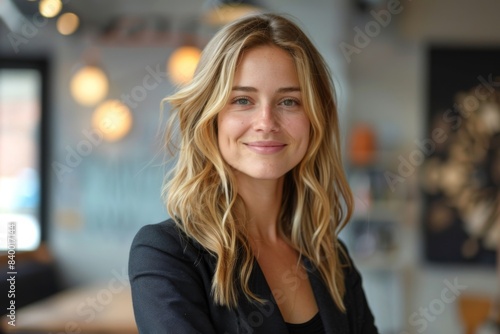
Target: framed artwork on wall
{"points": [[461, 174]]}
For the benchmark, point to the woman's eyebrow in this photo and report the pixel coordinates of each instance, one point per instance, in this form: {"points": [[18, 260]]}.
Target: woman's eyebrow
{"points": [[288, 89], [244, 88], [253, 89]]}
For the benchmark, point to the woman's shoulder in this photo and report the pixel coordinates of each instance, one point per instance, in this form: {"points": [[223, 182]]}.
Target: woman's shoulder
{"points": [[168, 226], [352, 276], [344, 256], [358, 310], [165, 236], [156, 233]]}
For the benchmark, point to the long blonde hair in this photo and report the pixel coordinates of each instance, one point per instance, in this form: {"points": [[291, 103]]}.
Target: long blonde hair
{"points": [[201, 195]]}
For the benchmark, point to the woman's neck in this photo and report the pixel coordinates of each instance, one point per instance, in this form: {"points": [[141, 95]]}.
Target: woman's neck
{"points": [[262, 200]]}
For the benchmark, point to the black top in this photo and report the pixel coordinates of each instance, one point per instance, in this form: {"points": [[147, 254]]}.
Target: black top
{"points": [[313, 326], [171, 277]]}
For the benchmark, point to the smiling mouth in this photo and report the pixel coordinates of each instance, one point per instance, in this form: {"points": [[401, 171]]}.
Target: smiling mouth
{"points": [[266, 144], [265, 147]]}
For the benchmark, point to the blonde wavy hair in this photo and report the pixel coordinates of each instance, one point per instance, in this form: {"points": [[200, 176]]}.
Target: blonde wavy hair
{"points": [[201, 194]]}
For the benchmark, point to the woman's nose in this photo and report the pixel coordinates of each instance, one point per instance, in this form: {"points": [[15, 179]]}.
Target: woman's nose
{"points": [[266, 119]]}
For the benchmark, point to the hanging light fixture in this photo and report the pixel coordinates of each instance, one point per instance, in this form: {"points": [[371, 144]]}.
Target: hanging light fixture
{"points": [[89, 85], [112, 119], [227, 11], [50, 8], [67, 23], [182, 64]]}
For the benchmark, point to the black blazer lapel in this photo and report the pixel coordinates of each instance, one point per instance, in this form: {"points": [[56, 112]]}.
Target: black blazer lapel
{"points": [[334, 321], [256, 318]]}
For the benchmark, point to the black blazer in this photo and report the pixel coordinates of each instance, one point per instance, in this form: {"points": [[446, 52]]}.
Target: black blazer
{"points": [[171, 275]]}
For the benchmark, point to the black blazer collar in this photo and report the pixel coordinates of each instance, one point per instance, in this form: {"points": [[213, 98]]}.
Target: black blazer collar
{"points": [[268, 318]]}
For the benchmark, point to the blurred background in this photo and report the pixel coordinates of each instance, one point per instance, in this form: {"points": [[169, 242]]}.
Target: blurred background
{"points": [[82, 158]]}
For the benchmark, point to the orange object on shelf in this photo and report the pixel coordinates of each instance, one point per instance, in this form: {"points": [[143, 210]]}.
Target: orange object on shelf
{"points": [[362, 145]]}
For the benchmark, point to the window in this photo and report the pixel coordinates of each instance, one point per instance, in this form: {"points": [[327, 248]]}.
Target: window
{"points": [[23, 144]]}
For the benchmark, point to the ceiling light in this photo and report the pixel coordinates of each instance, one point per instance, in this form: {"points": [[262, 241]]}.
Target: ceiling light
{"points": [[182, 64], [50, 8], [67, 23], [112, 119], [89, 85], [228, 11]]}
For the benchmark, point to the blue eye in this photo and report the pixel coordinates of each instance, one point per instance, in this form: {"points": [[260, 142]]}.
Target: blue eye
{"points": [[289, 102], [242, 101]]}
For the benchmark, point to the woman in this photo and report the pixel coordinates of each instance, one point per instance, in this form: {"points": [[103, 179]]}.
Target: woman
{"points": [[257, 197]]}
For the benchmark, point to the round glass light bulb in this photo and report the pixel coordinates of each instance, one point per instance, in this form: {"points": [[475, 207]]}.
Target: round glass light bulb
{"points": [[182, 64], [89, 85], [112, 119], [50, 8], [67, 23]]}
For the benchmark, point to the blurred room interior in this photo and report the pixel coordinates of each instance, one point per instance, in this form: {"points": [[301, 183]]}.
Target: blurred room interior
{"points": [[82, 155]]}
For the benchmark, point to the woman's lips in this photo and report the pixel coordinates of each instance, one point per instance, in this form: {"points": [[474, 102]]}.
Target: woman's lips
{"points": [[265, 147]]}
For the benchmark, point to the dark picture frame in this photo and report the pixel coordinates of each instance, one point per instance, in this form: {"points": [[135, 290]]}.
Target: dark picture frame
{"points": [[455, 74]]}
